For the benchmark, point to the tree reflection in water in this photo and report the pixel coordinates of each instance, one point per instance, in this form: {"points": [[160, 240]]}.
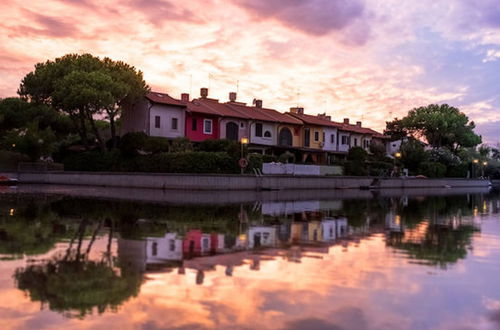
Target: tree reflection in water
{"points": [[431, 230], [73, 284]]}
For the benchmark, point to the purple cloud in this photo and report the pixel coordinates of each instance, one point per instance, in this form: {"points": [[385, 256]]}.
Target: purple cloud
{"points": [[47, 26], [159, 12], [315, 17], [474, 14]]}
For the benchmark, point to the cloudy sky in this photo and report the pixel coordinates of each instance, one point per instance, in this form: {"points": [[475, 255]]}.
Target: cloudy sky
{"points": [[369, 60]]}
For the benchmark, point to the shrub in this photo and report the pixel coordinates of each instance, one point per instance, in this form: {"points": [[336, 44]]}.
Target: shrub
{"points": [[287, 157], [458, 171], [181, 144], [379, 168], [355, 168], [377, 149], [413, 154], [254, 162], [232, 148], [188, 162], [357, 154], [432, 169], [92, 161], [130, 143], [156, 144], [9, 160]]}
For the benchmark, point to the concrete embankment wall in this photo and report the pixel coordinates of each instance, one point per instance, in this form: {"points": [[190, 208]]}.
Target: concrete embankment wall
{"points": [[232, 182]]}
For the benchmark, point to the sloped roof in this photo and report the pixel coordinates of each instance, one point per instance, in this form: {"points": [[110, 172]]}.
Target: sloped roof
{"points": [[239, 110], [162, 98], [263, 114], [315, 120]]}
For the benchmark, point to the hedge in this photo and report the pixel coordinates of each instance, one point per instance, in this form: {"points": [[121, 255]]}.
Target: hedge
{"points": [[178, 162], [432, 169]]}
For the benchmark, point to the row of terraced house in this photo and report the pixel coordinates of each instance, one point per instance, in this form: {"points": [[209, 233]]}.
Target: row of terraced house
{"points": [[316, 138]]}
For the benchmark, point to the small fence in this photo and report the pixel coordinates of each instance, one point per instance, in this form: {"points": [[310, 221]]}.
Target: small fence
{"points": [[295, 169], [39, 167]]}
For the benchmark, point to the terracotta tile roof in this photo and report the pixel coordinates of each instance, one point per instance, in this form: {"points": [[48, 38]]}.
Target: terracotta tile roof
{"points": [[315, 120], [264, 114], [239, 110], [162, 98]]}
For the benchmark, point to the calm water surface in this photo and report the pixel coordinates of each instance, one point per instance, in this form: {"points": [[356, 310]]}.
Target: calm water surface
{"points": [[403, 262]]}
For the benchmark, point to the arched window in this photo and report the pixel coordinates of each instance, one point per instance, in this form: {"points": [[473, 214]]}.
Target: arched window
{"points": [[232, 131], [267, 134], [285, 137]]}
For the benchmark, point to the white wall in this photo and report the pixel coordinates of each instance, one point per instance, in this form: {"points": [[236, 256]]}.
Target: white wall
{"points": [[367, 138], [242, 127], [271, 128], [343, 147], [166, 114], [267, 236], [356, 137], [393, 146], [328, 139], [163, 248], [329, 229]]}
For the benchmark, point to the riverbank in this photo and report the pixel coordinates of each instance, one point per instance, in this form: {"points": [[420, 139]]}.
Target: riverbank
{"points": [[235, 182], [206, 197]]}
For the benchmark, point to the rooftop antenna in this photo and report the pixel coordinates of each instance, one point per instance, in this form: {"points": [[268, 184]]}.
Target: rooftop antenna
{"points": [[237, 86]]}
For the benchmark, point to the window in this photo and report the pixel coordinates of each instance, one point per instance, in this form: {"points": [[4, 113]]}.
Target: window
{"points": [[174, 123], [344, 139], [207, 126], [171, 245], [316, 136], [332, 138], [194, 124], [324, 136], [157, 121], [307, 137], [205, 243], [242, 125], [355, 142], [258, 129], [267, 134], [154, 249]]}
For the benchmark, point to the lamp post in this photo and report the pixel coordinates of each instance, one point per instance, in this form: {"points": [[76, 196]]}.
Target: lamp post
{"points": [[243, 161], [474, 163], [484, 165], [397, 155]]}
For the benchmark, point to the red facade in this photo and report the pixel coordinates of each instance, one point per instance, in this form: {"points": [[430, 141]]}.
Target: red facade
{"points": [[195, 132]]}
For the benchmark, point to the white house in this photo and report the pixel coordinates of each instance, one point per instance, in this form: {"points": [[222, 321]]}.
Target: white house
{"points": [[261, 236], [162, 249], [157, 115]]}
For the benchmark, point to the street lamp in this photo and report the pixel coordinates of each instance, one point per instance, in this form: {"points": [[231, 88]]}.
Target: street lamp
{"points": [[482, 170], [243, 161], [397, 155], [474, 162]]}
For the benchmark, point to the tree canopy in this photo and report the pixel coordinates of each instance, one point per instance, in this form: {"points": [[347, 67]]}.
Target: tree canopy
{"points": [[85, 87], [439, 125]]}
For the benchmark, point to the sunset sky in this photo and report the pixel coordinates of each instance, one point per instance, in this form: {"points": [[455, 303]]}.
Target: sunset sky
{"points": [[369, 60]]}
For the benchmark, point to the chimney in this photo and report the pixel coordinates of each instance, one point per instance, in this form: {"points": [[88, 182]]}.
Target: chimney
{"points": [[358, 123], [232, 97], [324, 116], [258, 103], [346, 120], [204, 92], [297, 110], [185, 97]]}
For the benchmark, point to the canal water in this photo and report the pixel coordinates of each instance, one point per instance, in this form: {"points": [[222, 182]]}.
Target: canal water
{"points": [[404, 260]]}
